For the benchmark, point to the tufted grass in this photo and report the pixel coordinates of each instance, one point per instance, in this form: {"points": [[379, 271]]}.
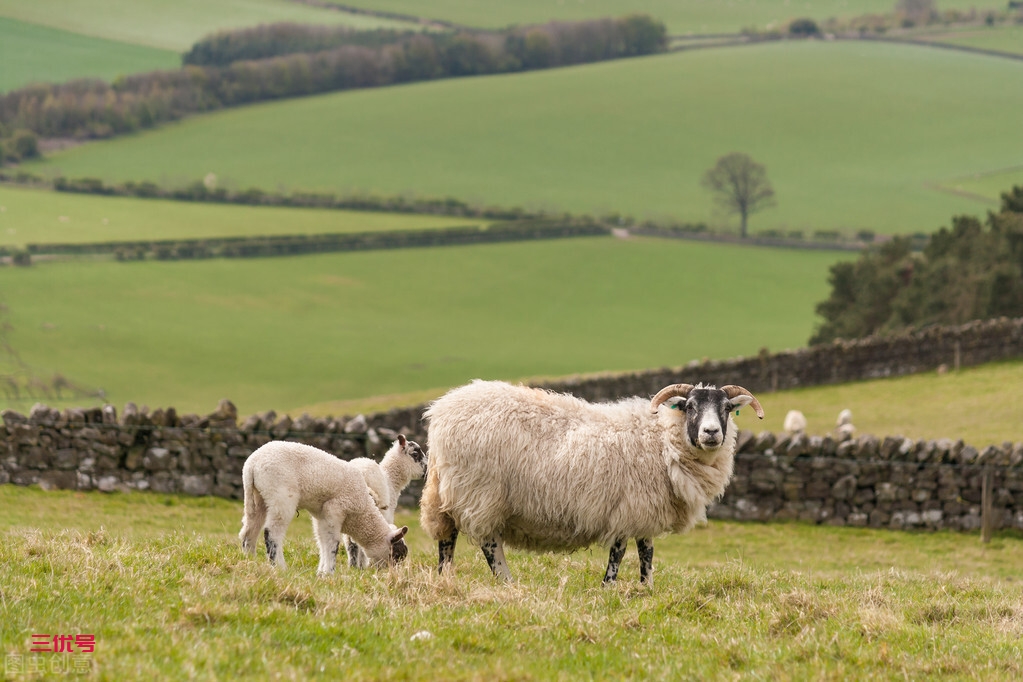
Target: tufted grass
{"points": [[731, 600]]}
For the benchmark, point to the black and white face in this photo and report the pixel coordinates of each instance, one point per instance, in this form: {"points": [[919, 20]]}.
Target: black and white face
{"points": [[415, 452], [706, 411]]}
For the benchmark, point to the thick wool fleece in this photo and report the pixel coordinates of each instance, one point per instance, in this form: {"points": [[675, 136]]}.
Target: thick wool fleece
{"points": [[548, 471]]}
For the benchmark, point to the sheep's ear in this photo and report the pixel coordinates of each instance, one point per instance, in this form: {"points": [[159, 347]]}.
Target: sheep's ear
{"points": [[401, 440], [398, 534], [676, 403], [740, 401]]}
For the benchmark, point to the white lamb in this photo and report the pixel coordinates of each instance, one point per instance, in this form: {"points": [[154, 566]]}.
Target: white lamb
{"points": [[403, 463], [546, 471], [282, 477]]}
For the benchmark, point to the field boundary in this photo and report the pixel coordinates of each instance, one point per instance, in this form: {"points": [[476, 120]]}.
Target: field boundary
{"points": [[294, 245]]}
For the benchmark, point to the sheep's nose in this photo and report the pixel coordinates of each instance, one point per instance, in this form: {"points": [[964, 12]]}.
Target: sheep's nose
{"points": [[711, 430]]}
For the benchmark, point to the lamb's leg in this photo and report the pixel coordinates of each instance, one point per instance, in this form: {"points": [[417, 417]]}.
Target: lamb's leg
{"points": [[446, 550], [645, 546], [493, 550], [279, 516], [614, 560], [355, 556], [328, 537]]}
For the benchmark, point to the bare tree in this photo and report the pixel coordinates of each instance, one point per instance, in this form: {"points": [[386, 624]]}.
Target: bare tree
{"points": [[740, 185]]}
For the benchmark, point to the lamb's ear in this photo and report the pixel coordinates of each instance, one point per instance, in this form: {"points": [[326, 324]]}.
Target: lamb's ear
{"points": [[401, 440], [676, 403], [398, 534]]}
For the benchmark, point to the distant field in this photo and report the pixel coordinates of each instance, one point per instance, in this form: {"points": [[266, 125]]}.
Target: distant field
{"points": [[1002, 38], [170, 24], [690, 16], [285, 332], [37, 54], [852, 135], [989, 185], [30, 216]]}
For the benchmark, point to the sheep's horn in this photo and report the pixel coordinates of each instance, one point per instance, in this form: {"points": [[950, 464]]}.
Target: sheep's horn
{"points": [[732, 391], [669, 392]]}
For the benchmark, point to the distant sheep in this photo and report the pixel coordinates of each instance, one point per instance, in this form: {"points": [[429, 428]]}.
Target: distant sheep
{"points": [[546, 471], [844, 428], [282, 477], [403, 463], [795, 422]]}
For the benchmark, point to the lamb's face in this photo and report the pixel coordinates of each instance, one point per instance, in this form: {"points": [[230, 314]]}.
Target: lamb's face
{"points": [[416, 454], [398, 548]]}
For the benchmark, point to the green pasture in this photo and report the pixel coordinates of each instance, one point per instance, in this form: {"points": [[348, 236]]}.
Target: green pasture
{"points": [[988, 186], [729, 601], [854, 135], [38, 54], [980, 405], [681, 16], [1002, 37], [36, 216], [171, 24], [281, 333]]}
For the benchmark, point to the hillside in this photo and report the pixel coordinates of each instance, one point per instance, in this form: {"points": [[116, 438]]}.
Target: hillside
{"points": [[846, 131]]}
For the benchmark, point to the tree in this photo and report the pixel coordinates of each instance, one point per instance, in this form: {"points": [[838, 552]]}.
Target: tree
{"points": [[740, 185]]}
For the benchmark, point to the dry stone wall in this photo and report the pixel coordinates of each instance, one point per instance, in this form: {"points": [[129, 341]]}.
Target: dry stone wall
{"points": [[878, 482]]}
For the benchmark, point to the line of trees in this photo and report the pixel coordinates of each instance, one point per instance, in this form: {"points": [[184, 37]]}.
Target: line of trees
{"points": [[95, 109], [970, 271]]}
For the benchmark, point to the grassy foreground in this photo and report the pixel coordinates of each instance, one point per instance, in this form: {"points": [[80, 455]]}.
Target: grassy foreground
{"points": [[853, 135], [753, 601]]}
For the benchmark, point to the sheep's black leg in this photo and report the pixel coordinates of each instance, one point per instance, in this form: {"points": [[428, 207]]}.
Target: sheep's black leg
{"points": [[494, 553], [446, 550], [353, 553], [645, 546], [614, 560], [271, 546]]}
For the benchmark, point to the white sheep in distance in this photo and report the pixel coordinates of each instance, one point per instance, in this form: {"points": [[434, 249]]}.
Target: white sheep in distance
{"points": [[403, 463], [795, 422], [844, 428], [546, 471], [282, 477]]}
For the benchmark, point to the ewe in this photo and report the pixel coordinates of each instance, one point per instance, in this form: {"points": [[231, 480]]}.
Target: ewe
{"points": [[282, 477], [546, 471], [401, 464]]}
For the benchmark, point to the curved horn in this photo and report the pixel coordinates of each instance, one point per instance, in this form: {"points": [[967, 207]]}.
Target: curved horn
{"points": [[732, 391], [669, 392]]}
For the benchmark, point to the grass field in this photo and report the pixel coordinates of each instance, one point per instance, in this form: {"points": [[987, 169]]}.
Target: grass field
{"points": [[980, 405], [691, 16], [1002, 38], [175, 597], [35, 216], [38, 54], [287, 332], [170, 24], [849, 132]]}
